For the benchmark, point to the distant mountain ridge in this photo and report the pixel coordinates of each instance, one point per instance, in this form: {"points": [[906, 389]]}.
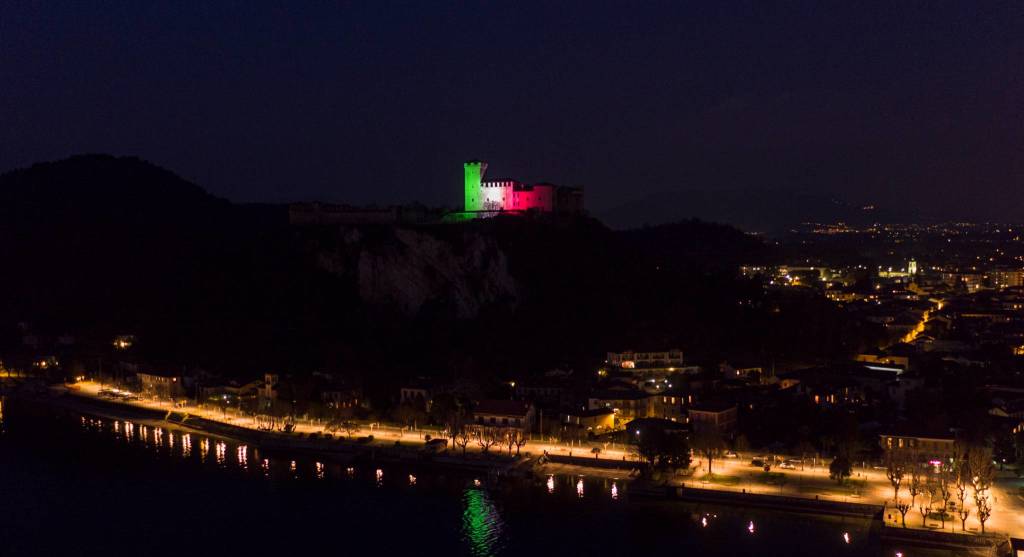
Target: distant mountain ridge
{"points": [[92, 185], [750, 209]]}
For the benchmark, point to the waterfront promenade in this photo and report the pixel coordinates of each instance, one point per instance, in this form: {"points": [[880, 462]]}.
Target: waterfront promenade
{"points": [[866, 486]]}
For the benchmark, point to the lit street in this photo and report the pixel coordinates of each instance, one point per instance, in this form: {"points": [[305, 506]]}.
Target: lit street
{"points": [[868, 486]]}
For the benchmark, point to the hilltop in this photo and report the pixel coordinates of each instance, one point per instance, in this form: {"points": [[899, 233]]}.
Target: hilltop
{"points": [[98, 245]]}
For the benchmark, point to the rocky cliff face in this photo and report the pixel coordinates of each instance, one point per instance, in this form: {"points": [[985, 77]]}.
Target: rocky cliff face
{"points": [[412, 269]]}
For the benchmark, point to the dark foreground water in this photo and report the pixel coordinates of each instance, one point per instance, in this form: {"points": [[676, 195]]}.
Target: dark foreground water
{"points": [[79, 485]]}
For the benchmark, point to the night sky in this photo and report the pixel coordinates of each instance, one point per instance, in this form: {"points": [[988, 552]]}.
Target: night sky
{"points": [[915, 104]]}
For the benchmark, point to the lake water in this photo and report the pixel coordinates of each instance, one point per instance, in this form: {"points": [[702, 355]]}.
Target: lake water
{"points": [[78, 485]]}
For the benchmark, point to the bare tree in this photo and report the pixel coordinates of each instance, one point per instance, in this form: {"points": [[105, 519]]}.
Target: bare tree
{"points": [[924, 510], [983, 472], [961, 498], [979, 461], [895, 469], [903, 508], [351, 428], [265, 422], [916, 484], [984, 507], [486, 438], [942, 486], [962, 480], [965, 513], [461, 439], [708, 441], [520, 441]]}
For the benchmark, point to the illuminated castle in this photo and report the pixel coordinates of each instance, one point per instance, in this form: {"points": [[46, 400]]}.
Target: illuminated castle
{"points": [[486, 199]]}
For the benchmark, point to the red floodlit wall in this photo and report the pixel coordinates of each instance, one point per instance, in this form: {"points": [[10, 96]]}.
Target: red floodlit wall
{"points": [[539, 197]]}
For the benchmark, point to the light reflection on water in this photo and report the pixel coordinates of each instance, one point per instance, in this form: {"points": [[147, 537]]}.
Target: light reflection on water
{"points": [[482, 525], [221, 451], [486, 528]]}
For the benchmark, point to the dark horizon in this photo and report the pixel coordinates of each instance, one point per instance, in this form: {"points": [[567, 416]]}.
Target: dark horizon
{"points": [[907, 106]]}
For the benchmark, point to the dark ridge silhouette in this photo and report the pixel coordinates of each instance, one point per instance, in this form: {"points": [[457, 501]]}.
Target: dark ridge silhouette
{"points": [[767, 210], [98, 245]]}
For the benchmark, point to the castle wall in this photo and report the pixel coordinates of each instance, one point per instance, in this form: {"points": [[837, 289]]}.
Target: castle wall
{"points": [[497, 196], [474, 172], [540, 198]]}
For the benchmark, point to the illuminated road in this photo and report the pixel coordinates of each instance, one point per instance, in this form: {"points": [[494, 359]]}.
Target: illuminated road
{"points": [[734, 474]]}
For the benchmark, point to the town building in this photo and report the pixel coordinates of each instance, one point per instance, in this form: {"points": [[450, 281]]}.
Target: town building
{"points": [[514, 414], [598, 420], [626, 404], [161, 384], [888, 360], [908, 272], [720, 416], [1007, 278], [421, 392], [549, 391], [342, 398], [646, 360], [231, 393], [648, 365], [268, 390], [922, 446]]}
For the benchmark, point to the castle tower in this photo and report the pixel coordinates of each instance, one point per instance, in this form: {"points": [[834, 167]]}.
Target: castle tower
{"points": [[912, 268], [474, 175]]}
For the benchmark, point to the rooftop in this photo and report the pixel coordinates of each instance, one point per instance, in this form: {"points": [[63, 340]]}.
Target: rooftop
{"points": [[712, 406], [590, 413], [502, 407]]}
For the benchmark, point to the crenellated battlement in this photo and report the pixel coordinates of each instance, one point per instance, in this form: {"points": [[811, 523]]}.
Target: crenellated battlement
{"points": [[498, 196]]}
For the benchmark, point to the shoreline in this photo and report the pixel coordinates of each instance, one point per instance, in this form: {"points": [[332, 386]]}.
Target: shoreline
{"points": [[334, 448], [528, 467]]}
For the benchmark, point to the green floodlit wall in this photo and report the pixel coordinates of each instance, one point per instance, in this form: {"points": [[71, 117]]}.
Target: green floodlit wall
{"points": [[474, 172]]}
